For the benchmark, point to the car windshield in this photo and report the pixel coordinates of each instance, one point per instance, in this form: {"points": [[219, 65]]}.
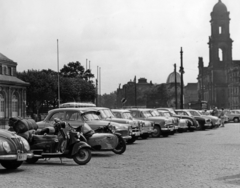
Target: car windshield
{"points": [[106, 113], [167, 114], [90, 116], [194, 113], [161, 113], [127, 115], [154, 113], [146, 114]]}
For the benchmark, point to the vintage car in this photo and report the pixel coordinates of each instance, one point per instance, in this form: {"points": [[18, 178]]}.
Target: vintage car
{"points": [[146, 127], [160, 124], [169, 121], [14, 149], [185, 123], [232, 115], [74, 117], [216, 121], [182, 123], [203, 122], [106, 114]]}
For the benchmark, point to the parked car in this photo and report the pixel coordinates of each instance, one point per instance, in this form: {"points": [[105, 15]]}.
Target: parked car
{"points": [[160, 124], [169, 121], [216, 121], [74, 118], [146, 127], [191, 122], [203, 122], [14, 150], [181, 125], [232, 116], [106, 114]]}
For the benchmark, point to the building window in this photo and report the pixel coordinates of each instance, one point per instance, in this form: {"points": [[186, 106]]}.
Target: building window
{"points": [[14, 106], [220, 30], [2, 105]]}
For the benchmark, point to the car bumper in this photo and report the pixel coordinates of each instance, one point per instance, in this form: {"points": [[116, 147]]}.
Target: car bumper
{"points": [[126, 137], [208, 125], [14, 157]]}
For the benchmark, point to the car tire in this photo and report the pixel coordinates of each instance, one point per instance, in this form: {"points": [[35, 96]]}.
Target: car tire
{"points": [[11, 165], [32, 160], [144, 136], [158, 133], [132, 140], [235, 120]]}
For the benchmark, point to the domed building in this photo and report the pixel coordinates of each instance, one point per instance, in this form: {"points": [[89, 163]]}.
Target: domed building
{"points": [[12, 91], [171, 78]]}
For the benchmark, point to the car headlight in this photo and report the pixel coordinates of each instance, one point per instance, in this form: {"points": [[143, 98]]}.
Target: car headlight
{"points": [[25, 143], [6, 146]]}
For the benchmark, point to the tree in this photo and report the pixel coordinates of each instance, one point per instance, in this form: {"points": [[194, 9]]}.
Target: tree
{"points": [[42, 88], [73, 70]]}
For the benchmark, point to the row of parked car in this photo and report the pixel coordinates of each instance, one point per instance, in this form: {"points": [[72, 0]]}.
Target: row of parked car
{"points": [[131, 124]]}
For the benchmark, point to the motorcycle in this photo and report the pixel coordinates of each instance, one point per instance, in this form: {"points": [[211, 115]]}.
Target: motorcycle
{"points": [[103, 139], [65, 142]]}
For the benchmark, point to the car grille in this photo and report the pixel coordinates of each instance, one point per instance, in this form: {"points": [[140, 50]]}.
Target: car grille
{"points": [[123, 132]]}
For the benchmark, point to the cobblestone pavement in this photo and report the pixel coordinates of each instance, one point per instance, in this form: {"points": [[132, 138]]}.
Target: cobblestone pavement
{"points": [[202, 159]]}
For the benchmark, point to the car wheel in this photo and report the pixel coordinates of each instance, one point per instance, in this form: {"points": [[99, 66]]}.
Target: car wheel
{"points": [[157, 132], [144, 136], [132, 140], [83, 156], [235, 120], [11, 165], [32, 160]]}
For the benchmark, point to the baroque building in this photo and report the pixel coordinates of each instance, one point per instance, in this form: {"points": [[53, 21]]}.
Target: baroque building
{"points": [[12, 92], [218, 83]]}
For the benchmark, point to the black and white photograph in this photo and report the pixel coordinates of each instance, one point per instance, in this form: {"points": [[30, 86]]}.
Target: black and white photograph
{"points": [[120, 94]]}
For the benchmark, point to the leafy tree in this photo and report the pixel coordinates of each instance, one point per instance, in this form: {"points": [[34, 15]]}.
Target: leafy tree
{"points": [[109, 100], [157, 96], [75, 69]]}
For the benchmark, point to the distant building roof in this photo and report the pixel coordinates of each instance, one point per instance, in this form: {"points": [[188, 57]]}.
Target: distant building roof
{"points": [[11, 80], [192, 86], [219, 7], [171, 78]]}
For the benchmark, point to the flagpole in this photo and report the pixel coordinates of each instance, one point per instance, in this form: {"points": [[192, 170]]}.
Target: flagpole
{"points": [[58, 75]]}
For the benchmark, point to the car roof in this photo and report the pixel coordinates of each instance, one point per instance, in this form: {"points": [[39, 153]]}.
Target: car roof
{"points": [[81, 110], [120, 110]]}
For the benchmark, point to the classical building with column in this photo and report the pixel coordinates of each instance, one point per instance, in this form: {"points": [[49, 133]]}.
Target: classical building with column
{"points": [[218, 83], [12, 92]]}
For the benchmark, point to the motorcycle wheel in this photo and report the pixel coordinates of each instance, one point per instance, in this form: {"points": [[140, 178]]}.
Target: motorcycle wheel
{"points": [[11, 165], [121, 147], [83, 156], [32, 160]]}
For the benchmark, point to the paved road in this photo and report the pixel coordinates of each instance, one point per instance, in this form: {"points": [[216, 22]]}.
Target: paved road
{"points": [[201, 159]]}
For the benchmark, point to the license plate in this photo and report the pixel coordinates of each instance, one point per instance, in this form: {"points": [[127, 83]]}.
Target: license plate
{"points": [[21, 156]]}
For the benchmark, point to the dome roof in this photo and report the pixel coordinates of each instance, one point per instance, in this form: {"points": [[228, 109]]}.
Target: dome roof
{"points": [[171, 78], [4, 58], [220, 7]]}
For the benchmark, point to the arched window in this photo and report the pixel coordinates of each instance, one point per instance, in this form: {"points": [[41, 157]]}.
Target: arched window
{"points": [[2, 105], [220, 54], [14, 106]]}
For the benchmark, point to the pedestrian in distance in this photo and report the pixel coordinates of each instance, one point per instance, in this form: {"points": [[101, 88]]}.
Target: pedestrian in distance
{"points": [[222, 117]]}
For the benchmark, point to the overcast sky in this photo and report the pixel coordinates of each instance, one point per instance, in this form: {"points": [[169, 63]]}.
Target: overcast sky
{"points": [[126, 38]]}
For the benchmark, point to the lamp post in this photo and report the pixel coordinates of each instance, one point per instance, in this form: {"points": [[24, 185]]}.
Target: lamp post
{"points": [[175, 74], [182, 72], [58, 76]]}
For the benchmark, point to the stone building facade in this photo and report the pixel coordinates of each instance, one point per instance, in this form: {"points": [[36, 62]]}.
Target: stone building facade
{"points": [[12, 91], [218, 83]]}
